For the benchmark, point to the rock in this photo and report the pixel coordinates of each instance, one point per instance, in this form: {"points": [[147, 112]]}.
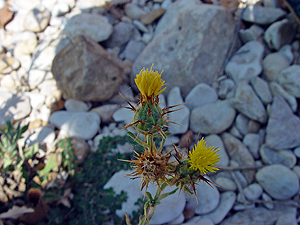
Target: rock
{"points": [[279, 33], [43, 58], [81, 149], [215, 140], [297, 152], [105, 112], [8, 82], [42, 135], [246, 62], [262, 89], [235, 132], [27, 44], [60, 9], [95, 77], [242, 123], [37, 19], [262, 15], [170, 208], [278, 181], [252, 142], [122, 33], [17, 24], [283, 128], [207, 93], [247, 103], [8, 64], [5, 15], [199, 220], [212, 118], [120, 182], [133, 11], [253, 216], [140, 26], [239, 153], [273, 63], [93, 26], [225, 184], [188, 138], [152, 15], [253, 191], [36, 99], [254, 33], [208, 199], [179, 36], [287, 219], [226, 202], [267, 201], [133, 49], [36, 77], [13, 106], [286, 51], [276, 89], [289, 79], [123, 114], [181, 116], [284, 157], [225, 88], [76, 124], [76, 105], [178, 220]]}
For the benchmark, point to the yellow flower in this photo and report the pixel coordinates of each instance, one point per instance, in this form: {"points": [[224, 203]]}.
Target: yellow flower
{"points": [[149, 83], [204, 158]]}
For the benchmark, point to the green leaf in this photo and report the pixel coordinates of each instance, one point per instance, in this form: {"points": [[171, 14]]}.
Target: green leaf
{"points": [[137, 140], [52, 162], [30, 151], [167, 194]]}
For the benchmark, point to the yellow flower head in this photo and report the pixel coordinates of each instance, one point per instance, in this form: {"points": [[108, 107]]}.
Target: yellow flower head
{"points": [[149, 83], [204, 158]]}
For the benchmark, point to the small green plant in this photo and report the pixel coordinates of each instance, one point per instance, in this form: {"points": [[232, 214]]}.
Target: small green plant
{"points": [[92, 204], [13, 157]]}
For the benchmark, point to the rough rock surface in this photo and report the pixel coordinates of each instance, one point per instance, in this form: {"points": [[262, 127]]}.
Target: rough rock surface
{"points": [[183, 39], [95, 76]]}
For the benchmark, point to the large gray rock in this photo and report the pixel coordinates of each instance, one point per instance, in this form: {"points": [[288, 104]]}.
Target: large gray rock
{"points": [[188, 47], [85, 71], [278, 181], [283, 129], [212, 118]]}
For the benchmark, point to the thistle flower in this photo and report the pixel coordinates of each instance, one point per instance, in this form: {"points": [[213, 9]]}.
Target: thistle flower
{"points": [[149, 83], [192, 168], [151, 166], [149, 117], [204, 158]]}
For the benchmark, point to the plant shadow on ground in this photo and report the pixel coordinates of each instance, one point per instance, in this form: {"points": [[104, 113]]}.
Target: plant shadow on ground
{"points": [[92, 204]]}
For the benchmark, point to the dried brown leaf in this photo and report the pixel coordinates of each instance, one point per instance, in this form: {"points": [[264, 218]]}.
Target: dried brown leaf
{"points": [[15, 212]]}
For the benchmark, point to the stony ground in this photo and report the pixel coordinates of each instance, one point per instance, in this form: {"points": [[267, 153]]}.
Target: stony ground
{"points": [[63, 63]]}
